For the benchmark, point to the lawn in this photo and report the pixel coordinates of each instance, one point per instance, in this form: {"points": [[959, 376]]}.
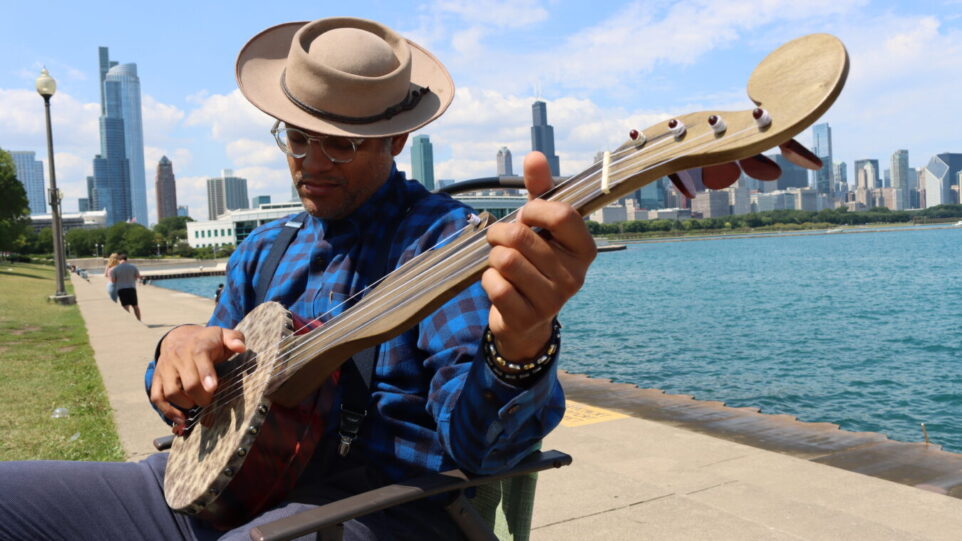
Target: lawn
{"points": [[46, 363]]}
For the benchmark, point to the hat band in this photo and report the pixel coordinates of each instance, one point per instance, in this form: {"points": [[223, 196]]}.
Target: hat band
{"points": [[409, 102]]}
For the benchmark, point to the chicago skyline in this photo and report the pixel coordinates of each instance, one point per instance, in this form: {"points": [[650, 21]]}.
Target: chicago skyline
{"points": [[597, 81]]}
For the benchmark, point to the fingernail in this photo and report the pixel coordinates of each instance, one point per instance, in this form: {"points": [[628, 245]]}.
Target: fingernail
{"points": [[209, 383]]}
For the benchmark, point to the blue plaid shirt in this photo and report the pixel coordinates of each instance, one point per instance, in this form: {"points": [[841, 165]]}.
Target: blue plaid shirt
{"points": [[435, 404]]}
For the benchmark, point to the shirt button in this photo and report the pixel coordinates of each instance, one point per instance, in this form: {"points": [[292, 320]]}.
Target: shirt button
{"points": [[513, 409], [489, 396]]}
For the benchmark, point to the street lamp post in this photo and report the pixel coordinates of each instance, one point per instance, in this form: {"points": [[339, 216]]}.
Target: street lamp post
{"points": [[158, 249], [46, 86]]}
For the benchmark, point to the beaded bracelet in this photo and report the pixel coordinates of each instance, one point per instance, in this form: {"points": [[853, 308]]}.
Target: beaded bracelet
{"points": [[517, 372]]}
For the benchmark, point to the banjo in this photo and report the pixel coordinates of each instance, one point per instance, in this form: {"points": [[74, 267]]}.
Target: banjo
{"points": [[216, 468]]}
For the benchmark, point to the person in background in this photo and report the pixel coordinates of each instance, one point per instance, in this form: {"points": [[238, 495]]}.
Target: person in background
{"points": [[220, 289], [125, 277], [112, 262]]}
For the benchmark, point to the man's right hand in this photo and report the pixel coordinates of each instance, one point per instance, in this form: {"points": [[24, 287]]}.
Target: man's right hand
{"points": [[185, 375]]}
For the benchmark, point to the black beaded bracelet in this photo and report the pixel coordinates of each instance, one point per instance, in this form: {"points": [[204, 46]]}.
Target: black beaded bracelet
{"points": [[512, 372]]}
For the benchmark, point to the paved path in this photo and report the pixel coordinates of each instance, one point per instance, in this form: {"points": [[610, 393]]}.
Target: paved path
{"points": [[645, 465]]}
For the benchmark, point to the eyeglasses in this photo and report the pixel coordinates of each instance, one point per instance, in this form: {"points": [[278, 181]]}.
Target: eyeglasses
{"points": [[296, 143]]}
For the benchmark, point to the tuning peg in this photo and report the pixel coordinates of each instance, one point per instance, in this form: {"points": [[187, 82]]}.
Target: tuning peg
{"points": [[684, 185], [719, 177], [796, 153], [760, 167]]}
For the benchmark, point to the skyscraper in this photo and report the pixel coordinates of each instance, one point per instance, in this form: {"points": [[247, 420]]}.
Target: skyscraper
{"points": [[166, 188], [504, 162], [30, 174], [125, 75], [111, 168], [867, 174], [259, 200], [224, 193], [823, 182], [792, 176], [542, 135], [900, 178], [941, 174], [422, 161]]}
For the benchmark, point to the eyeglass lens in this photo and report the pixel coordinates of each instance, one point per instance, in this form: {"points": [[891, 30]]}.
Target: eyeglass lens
{"points": [[296, 142]]}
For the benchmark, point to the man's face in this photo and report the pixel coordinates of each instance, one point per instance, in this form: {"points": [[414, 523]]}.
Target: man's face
{"points": [[333, 190]]}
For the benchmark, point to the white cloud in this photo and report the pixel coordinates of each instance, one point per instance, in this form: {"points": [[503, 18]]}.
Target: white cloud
{"points": [[160, 120], [246, 152], [230, 117]]}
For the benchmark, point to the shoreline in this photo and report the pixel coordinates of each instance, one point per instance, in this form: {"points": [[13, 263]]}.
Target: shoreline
{"points": [[843, 230]]}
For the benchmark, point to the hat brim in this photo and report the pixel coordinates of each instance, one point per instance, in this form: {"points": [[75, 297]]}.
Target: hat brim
{"points": [[261, 63]]}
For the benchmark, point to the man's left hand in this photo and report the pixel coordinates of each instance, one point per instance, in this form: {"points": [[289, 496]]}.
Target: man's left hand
{"points": [[532, 275]]}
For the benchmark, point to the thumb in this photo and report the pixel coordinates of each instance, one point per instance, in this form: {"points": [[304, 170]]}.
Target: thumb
{"points": [[233, 340], [537, 174]]}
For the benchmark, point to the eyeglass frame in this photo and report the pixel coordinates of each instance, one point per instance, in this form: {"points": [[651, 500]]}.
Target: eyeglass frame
{"points": [[275, 131]]}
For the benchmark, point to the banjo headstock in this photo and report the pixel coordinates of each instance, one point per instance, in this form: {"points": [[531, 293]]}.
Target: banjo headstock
{"points": [[791, 88]]}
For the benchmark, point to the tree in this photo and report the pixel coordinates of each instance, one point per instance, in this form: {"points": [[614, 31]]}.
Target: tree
{"points": [[173, 228], [14, 207]]}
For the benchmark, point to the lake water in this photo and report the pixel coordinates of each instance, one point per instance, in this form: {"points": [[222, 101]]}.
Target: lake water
{"points": [[863, 330]]}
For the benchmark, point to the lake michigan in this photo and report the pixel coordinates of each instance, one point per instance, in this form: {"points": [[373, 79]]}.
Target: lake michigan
{"points": [[859, 329]]}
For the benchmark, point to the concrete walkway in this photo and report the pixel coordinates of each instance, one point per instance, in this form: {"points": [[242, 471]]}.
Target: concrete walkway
{"points": [[646, 465]]}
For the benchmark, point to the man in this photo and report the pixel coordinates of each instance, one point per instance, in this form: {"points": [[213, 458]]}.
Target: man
{"points": [[124, 277], [346, 93]]}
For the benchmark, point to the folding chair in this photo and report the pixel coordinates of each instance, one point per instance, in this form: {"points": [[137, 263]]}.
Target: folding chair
{"points": [[499, 510]]}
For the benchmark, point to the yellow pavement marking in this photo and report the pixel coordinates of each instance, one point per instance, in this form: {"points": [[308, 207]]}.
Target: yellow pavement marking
{"points": [[578, 414]]}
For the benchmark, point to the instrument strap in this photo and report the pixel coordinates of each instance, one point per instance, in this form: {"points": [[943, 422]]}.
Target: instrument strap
{"points": [[274, 257]]}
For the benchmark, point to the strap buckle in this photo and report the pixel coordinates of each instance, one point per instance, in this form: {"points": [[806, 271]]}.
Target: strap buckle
{"points": [[350, 426]]}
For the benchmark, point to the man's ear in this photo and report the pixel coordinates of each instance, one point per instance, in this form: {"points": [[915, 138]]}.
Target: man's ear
{"points": [[397, 143]]}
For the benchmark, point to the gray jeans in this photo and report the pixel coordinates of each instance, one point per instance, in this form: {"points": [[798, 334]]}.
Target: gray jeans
{"points": [[125, 500]]}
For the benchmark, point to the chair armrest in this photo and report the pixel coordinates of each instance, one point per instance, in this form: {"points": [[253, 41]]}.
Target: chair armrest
{"points": [[375, 500], [164, 442]]}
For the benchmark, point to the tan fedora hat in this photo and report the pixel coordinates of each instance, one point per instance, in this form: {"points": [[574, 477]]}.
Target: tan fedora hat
{"points": [[343, 76]]}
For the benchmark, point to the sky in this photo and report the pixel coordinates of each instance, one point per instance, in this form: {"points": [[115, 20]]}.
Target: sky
{"points": [[602, 67]]}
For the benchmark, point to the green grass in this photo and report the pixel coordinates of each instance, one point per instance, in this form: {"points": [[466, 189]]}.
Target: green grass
{"points": [[45, 363]]}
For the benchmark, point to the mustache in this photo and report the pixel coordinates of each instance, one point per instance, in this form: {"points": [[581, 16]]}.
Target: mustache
{"points": [[318, 179]]}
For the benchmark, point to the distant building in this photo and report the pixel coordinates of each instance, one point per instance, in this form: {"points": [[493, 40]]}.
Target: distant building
{"points": [[422, 161], [669, 214], [504, 162], [711, 204], [125, 77], [803, 199], [792, 175], [867, 174], [111, 186], [542, 136], [739, 198], [259, 200], [30, 174], [94, 219], [183, 211], [83, 204], [166, 188], [652, 195], [224, 193], [840, 172], [233, 226], [823, 182], [941, 176], [609, 214], [900, 179]]}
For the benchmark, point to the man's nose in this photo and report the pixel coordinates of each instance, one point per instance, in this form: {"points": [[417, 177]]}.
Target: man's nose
{"points": [[315, 159]]}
